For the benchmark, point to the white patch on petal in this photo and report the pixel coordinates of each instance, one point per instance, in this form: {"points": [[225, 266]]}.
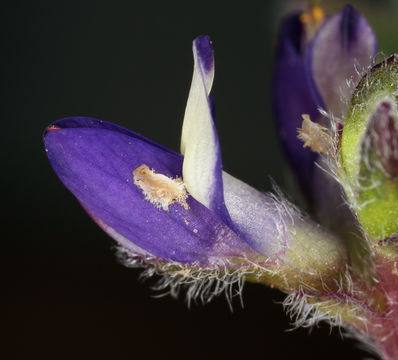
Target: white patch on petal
{"points": [[199, 144], [159, 189]]}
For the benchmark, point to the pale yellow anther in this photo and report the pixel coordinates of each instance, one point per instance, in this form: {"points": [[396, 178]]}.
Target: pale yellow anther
{"points": [[312, 19], [159, 189], [317, 14], [315, 136]]}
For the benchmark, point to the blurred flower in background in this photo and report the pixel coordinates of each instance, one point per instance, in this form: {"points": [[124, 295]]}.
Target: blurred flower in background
{"points": [[328, 71]]}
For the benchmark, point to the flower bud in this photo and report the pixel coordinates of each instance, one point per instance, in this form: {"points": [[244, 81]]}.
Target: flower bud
{"points": [[369, 150]]}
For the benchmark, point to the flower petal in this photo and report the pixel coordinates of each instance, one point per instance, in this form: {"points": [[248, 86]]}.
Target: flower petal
{"points": [[202, 168], [278, 231], [257, 218], [95, 160], [343, 47], [292, 98]]}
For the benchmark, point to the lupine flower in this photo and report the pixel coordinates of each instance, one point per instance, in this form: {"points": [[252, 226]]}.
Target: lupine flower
{"points": [[183, 217], [318, 63]]}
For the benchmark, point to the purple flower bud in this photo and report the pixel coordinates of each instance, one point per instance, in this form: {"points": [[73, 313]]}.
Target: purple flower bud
{"points": [[292, 97], [342, 49], [317, 72]]}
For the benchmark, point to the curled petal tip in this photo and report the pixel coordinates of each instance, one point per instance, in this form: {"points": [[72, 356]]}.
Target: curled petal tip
{"points": [[204, 51], [202, 168]]}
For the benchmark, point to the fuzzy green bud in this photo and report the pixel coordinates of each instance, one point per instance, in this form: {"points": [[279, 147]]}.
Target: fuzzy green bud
{"points": [[369, 150]]}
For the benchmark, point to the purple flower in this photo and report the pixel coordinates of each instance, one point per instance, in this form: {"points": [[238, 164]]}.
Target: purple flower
{"points": [[317, 66], [183, 216], [163, 207]]}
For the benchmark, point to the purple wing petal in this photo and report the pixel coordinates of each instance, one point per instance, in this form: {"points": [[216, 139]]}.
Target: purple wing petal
{"points": [[292, 98], [202, 168], [343, 47], [95, 160]]}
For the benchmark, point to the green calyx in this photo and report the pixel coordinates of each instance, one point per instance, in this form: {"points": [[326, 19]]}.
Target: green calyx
{"points": [[369, 150]]}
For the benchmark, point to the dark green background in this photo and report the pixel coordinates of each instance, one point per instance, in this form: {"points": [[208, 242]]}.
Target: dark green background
{"points": [[63, 294]]}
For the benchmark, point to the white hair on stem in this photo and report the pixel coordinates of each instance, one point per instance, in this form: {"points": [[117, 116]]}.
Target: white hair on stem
{"points": [[307, 307], [200, 284], [345, 291], [330, 165], [363, 342]]}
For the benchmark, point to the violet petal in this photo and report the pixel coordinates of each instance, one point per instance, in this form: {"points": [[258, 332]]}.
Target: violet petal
{"points": [[343, 47], [95, 161], [292, 98]]}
